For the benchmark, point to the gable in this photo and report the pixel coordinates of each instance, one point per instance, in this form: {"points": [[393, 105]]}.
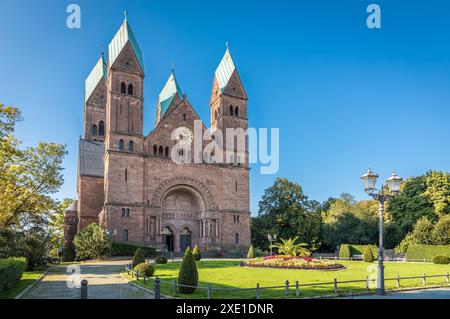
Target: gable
{"points": [[234, 86], [127, 61]]}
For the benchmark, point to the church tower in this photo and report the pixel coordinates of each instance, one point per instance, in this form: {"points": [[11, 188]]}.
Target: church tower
{"points": [[95, 102], [228, 107], [124, 108]]}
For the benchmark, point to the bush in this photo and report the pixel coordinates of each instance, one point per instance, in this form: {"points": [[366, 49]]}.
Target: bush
{"points": [[161, 260], [251, 253], [144, 269], [441, 260], [34, 246], [427, 251], [92, 243], [188, 274], [11, 270], [126, 249], [368, 255], [345, 252], [138, 258], [196, 253]]}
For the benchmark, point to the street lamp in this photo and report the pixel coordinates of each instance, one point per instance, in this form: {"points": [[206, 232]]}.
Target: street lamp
{"points": [[369, 181], [271, 239]]}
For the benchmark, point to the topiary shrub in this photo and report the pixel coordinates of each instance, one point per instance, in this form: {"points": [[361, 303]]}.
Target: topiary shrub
{"points": [[188, 274], [368, 255], [251, 252], [11, 270], [441, 260], [144, 269], [345, 251], [196, 253], [161, 260], [138, 258]]}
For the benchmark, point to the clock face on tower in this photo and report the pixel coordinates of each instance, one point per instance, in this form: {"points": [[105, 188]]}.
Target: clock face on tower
{"points": [[183, 135]]}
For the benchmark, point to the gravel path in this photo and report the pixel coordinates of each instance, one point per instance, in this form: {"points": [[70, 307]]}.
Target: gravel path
{"points": [[105, 282]]}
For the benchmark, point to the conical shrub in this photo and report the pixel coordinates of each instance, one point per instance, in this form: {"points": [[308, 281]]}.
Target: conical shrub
{"points": [[368, 255], [138, 257], [196, 253], [188, 274], [251, 252]]}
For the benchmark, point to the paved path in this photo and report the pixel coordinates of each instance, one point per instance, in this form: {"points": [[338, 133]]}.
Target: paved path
{"points": [[416, 294], [105, 282]]}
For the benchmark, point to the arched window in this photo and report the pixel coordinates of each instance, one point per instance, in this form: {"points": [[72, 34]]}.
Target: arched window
{"points": [[161, 150], [130, 146], [125, 235], [123, 88], [130, 89], [184, 117], [216, 114], [236, 238], [94, 129], [101, 128], [231, 110], [155, 150], [121, 145], [126, 175], [167, 151], [236, 111]]}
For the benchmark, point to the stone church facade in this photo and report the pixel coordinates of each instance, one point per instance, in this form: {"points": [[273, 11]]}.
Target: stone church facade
{"points": [[128, 182]]}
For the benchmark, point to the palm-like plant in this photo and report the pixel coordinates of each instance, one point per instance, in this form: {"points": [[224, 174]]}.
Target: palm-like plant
{"points": [[288, 247]]}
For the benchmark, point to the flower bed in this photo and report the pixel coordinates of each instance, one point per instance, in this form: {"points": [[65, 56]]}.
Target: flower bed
{"points": [[287, 262]]}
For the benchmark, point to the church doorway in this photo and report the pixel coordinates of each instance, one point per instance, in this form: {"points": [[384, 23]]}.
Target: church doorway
{"points": [[167, 238], [185, 239]]}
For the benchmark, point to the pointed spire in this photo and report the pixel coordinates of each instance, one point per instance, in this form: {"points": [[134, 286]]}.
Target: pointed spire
{"points": [[122, 37], [97, 74], [225, 69], [168, 93]]}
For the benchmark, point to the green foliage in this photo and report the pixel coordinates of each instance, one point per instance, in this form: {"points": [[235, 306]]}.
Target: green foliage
{"points": [[251, 252], [34, 245], [138, 258], [121, 249], [11, 270], [92, 243], [196, 253], [188, 274], [288, 247], [284, 210], [368, 255], [345, 251], [441, 260], [441, 231], [144, 269], [161, 260], [427, 251]]}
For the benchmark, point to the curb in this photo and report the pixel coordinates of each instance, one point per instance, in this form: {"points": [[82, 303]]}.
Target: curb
{"points": [[131, 283], [20, 295]]}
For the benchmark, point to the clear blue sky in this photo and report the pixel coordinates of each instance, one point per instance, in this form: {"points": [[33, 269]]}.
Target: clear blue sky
{"points": [[344, 97]]}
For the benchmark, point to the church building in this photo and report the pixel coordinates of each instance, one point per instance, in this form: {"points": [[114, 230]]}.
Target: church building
{"points": [[129, 183]]}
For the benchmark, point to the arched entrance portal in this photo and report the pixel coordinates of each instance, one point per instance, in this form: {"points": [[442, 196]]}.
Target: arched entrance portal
{"points": [[185, 239], [168, 238]]}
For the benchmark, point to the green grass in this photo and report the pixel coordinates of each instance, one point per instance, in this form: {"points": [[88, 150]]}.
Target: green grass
{"points": [[228, 274], [28, 277]]}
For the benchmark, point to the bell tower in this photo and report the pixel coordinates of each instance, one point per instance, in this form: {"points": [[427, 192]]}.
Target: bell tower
{"points": [[228, 109]]}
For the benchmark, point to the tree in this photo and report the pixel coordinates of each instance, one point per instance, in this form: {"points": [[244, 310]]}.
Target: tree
{"points": [[188, 275], [289, 247], [441, 231], [438, 191], [138, 258], [285, 211], [92, 243]]}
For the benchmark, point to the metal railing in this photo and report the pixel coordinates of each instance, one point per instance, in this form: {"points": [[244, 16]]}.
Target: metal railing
{"points": [[288, 288]]}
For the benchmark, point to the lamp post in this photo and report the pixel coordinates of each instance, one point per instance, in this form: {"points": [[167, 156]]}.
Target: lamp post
{"points": [[271, 239], [369, 181]]}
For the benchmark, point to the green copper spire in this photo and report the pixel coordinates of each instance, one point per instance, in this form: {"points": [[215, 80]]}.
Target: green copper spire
{"points": [[171, 88], [97, 73], [225, 69], [122, 37]]}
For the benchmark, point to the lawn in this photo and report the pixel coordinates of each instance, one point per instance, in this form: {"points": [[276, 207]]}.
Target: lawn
{"points": [[229, 275], [28, 277]]}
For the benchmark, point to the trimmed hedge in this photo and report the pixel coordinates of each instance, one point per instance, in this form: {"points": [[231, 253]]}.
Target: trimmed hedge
{"points": [[11, 270], [144, 269], [348, 251], [427, 251], [441, 260], [161, 260], [126, 249]]}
